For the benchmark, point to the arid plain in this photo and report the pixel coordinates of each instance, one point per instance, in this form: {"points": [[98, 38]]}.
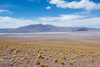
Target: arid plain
{"points": [[50, 51], [58, 40]]}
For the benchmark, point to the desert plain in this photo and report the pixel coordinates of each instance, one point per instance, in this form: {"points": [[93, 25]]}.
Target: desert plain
{"points": [[50, 51]]}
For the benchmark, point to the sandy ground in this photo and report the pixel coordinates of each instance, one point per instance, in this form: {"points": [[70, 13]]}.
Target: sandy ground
{"points": [[87, 45], [62, 40]]}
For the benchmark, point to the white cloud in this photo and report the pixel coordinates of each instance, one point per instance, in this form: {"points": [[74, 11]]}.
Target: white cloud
{"points": [[84, 4], [49, 18], [3, 10], [75, 21], [47, 0], [48, 7], [8, 22], [62, 18], [87, 22]]}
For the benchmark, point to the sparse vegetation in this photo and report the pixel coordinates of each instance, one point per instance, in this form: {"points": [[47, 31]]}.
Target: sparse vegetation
{"points": [[37, 62], [44, 65], [62, 63], [23, 53], [70, 63], [55, 60]]}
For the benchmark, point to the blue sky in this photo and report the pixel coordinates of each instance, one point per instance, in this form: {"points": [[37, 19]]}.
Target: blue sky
{"points": [[65, 13]]}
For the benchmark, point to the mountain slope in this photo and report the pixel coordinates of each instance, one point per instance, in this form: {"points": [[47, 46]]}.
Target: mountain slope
{"points": [[45, 28]]}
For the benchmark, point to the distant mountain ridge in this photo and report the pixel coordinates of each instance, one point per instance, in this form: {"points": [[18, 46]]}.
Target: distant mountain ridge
{"points": [[45, 28]]}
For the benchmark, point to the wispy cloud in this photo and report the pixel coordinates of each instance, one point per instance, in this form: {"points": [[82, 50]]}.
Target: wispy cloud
{"points": [[83, 4], [62, 18], [48, 7], [3, 10], [7, 6], [47, 0], [73, 20], [92, 22], [31, 0], [9, 22], [35, 0]]}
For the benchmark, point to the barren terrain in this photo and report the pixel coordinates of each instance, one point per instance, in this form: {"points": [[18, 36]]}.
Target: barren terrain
{"points": [[62, 40], [50, 51]]}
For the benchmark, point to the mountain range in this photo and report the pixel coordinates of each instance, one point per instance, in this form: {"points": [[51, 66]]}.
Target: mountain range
{"points": [[45, 28]]}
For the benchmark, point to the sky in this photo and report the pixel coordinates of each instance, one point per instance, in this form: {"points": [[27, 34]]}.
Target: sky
{"points": [[63, 13]]}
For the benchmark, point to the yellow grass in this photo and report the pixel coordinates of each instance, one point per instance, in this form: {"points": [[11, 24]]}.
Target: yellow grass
{"points": [[23, 52]]}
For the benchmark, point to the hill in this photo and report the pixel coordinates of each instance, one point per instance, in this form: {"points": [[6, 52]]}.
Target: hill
{"points": [[45, 28]]}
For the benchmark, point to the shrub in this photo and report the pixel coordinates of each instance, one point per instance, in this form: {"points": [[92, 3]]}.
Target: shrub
{"points": [[70, 63], [62, 63], [55, 60], [11, 64], [37, 62], [44, 65]]}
